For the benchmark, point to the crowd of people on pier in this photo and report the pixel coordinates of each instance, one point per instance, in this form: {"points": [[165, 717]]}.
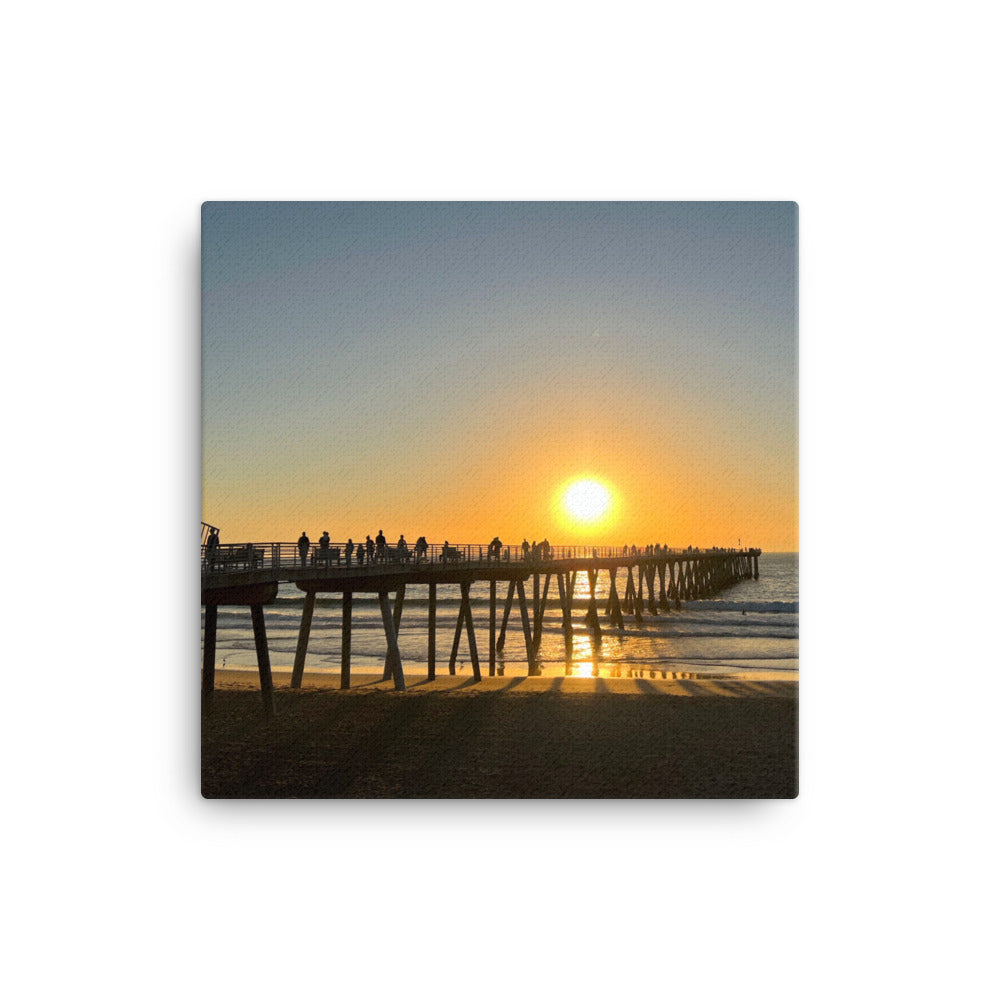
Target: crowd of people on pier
{"points": [[369, 552], [378, 551]]}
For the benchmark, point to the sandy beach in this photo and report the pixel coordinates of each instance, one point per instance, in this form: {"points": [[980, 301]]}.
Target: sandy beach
{"points": [[505, 737]]}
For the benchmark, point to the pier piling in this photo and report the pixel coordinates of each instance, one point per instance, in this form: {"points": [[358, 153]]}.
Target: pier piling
{"points": [[208, 656], [304, 628], [345, 641], [263, 659], [392, 645]]}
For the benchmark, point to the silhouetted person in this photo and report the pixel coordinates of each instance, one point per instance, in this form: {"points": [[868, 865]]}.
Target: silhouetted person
{"points": [[303, 548], [421, 548], [324, 542], [525, 549], [369, 548], [546, 549], [380, 545], [211, 547], [401, 550], [349, 550]]}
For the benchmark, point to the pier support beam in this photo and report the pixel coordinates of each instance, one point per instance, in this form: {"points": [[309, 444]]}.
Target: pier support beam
{"points": [[592, 619], [299, 666], [345, 642], [614, 603], [392, 644], [452, 660], [540, 612], [465, 618], [506, 615], [431, 630], [567, 620], [470, 630], [633, 602], [533, 670], [493, 628], [397, 617], [263, 659], [208, 658]]}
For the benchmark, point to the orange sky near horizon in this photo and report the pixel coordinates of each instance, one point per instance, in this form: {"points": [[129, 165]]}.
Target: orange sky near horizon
{"points": [[676, 497]]}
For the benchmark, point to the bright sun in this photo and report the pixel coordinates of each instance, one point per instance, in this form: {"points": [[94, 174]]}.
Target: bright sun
{"points": [[587, 500]]}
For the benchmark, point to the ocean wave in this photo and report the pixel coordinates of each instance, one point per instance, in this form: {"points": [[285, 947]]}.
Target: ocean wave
{"points": [[762, 607]]}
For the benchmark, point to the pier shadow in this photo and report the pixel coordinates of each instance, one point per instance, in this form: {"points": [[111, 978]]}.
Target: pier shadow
{"points": [[468, 682], [692, 688], [646, 687], [324, 745], [512, 682]]}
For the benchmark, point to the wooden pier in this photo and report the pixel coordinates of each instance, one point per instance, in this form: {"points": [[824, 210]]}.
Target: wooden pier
{"points": [[653, 581]]}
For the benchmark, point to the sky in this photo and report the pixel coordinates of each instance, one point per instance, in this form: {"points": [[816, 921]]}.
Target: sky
{"points": [[447, 369]]}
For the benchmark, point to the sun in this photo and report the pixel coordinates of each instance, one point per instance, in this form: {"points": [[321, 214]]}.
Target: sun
{"points": [[586, 500]]}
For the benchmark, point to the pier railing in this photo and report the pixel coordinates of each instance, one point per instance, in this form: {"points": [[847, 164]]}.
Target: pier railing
{"points": [[287, 555]]}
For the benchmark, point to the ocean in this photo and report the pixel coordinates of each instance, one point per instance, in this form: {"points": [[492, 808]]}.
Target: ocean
{"points": [[748, 631]]}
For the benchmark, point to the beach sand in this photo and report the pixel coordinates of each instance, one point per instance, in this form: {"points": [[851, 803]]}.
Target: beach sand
{"points": [[505, 737]]}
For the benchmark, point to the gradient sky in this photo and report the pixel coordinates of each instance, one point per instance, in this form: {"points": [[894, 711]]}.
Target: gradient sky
{"points": [[443, 368]]}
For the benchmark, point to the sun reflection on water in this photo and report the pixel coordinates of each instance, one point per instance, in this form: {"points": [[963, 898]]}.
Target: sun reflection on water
{"points": [[609, 656]]}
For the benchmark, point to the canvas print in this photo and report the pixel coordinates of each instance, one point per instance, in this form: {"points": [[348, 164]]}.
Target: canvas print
{"points": [[499, 500]]}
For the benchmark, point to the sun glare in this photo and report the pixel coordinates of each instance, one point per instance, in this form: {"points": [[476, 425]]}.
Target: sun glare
{"points": [[587, 500]]}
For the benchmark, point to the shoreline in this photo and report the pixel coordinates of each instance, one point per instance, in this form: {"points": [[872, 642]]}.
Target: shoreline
{"points": [[364, 674], [683, 684]]}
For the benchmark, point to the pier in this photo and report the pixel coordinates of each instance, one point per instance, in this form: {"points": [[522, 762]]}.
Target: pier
{"points": [[652, 581]]}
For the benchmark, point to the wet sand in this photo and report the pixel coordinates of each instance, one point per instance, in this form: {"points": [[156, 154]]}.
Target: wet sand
{"points": [[513, 737]]}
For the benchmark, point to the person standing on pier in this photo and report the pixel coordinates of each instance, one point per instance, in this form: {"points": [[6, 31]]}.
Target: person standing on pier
{"points": [[369, 548], [303, 548], [324, 542], [525, 549], [380, 546], [212, 548], [349, 550]]}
